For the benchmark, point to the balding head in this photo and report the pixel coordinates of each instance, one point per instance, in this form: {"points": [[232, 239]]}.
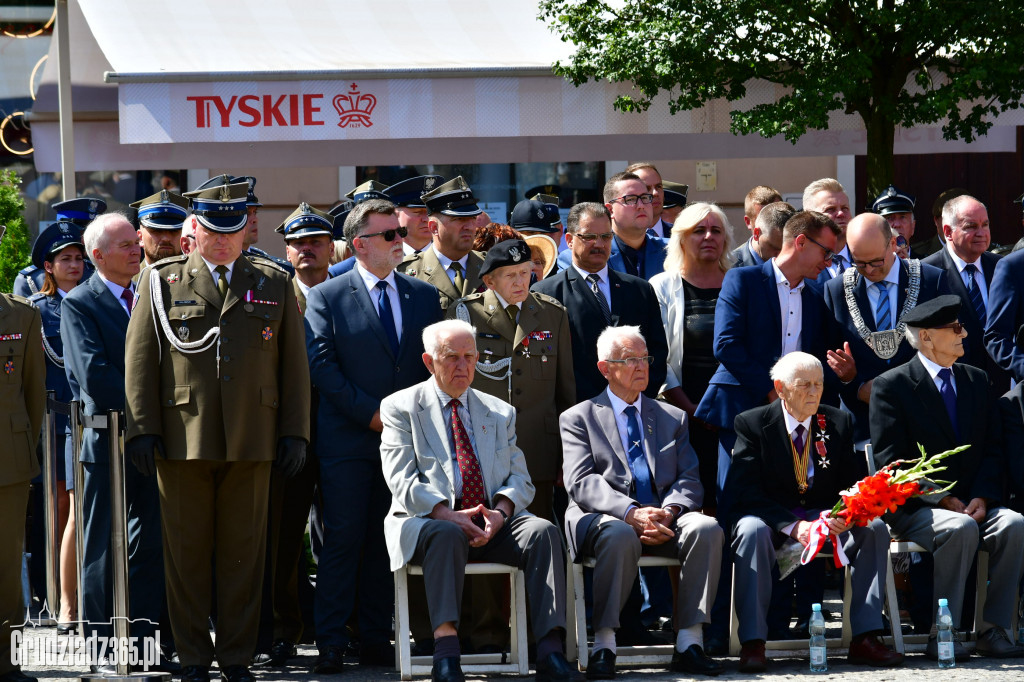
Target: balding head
{"points": [[870, 240]]}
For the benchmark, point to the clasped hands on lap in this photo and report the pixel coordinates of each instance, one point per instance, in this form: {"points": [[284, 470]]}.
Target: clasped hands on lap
{"points": [[651, 524]]}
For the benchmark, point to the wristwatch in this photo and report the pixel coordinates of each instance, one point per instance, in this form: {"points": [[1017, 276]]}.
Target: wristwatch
{"points": [[501, 511]]}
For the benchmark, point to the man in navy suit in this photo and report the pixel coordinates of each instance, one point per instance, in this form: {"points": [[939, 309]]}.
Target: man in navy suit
{"points": [[876, 317], [363, 332], [969, 268], [634, 250], [764, 313], [828, 196], [93, 325], [624, 300]]}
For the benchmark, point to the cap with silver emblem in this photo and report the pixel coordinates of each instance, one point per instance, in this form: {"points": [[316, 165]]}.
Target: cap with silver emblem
{"points": [[408, 192], [502, 254], [306, 221], [80, 210], [371, 189], [892, 200], [54, 238], [221, 208], [533, 215], [162, 211], [454, 198]]}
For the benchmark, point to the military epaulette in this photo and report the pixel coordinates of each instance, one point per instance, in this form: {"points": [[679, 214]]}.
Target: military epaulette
{"points": [[21, 299], [38, 296], [472, 297], [547, 299], [412, 257], [267, 262], [28, 271], [164, 262]]}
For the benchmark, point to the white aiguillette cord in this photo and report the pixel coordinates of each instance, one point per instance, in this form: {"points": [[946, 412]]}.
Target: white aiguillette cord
{"points": [[161, 322]]}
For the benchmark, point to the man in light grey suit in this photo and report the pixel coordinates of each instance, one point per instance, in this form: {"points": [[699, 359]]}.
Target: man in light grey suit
{"points": [[634, 487], [460, 489]]}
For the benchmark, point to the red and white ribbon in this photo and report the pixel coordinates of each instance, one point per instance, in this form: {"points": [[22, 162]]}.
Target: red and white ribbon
{"points": [[816, 539]]}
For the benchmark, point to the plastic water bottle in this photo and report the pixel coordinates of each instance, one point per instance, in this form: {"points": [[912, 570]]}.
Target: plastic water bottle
{"points": [[819, 663], [944, 624]]}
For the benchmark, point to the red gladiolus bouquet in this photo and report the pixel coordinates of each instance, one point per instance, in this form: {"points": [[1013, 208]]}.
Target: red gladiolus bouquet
{"points": [[877, 494]]}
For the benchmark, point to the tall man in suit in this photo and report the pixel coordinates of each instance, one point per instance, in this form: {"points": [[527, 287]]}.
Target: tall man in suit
{"points": [[634, 488], [363, 336], [460, 490], [969, 268], [764, 313], [780, 487], [597, 296], [750, 252], [22, 402], [883, 288], [940, 405], [828, 196], [94, 322], [1005, 313], [450, 264], [651, 177]]}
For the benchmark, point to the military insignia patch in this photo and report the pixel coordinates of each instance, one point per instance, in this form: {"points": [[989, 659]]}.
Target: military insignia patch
{"points": [[8, 366], [267, 333], [172, 278], [10, 337]]}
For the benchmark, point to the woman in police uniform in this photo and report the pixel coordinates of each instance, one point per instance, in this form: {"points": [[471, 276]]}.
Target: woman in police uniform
{"points": [[60, 253]]}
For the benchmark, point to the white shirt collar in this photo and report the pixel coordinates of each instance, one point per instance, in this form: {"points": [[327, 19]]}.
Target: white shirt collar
{"points": [[602, 274], [445, 398], [115, 289], [933, 367], [792, 423], [370, 279], [446, 262], [960, 262], [619, 405], [781, 278]]}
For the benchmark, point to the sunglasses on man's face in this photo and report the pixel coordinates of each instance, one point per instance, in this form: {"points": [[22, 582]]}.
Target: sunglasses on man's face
{"points": [[389, 235]]}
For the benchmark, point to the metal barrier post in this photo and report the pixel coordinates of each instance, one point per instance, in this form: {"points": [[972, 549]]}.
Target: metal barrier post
{"points": [[50, 513], [79, 482]]}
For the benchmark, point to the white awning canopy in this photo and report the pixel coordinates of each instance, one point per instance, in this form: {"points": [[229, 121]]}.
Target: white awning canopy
{"points": [[194, 84]]}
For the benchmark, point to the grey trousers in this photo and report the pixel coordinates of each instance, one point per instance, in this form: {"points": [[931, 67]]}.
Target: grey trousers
{"points": [[617, 549], [953, 539], [754, 552], [527, 542]]}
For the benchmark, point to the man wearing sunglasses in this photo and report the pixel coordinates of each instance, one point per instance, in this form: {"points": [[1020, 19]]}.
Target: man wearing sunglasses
{"points": [[450, 264], [939, 403], [870, 303], [363, 331]]}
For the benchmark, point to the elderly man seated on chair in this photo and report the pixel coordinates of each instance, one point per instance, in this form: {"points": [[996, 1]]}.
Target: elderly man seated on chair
{"points": [[634, 488], [461, 488], [792, 459]]}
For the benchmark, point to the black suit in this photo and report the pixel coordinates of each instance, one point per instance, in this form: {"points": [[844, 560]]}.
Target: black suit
{"points": [[974, 345], [633, 302], [906, 410], [763, 486]]}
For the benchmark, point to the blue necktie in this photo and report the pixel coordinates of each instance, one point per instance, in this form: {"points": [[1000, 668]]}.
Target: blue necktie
{"points": [[949, 398], [637, 461], [974, 291], [838, 261], [882, 321], [387, 317]]}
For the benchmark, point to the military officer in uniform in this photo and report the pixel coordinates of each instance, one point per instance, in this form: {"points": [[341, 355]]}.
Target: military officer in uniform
{"points": [[160, 217], [80, 211], [412, 212], [214, 352], [525, 359], [450, 264], [22, 400]]}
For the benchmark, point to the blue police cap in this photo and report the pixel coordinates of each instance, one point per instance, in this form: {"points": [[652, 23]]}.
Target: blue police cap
{"points": [[371, 189], [162, 211], [80, 210], [533, 215], [55, 237], [892, 200], [221, 208], [306, 221]]}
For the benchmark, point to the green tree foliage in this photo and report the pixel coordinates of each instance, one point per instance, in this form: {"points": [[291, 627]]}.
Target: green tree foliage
{"points": [[15, 250], [892, 62]]}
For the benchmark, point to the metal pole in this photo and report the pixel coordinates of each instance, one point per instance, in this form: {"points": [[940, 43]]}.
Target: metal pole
{"points": [[67, 135], [50, 507], [79, 482], [118, 533]]}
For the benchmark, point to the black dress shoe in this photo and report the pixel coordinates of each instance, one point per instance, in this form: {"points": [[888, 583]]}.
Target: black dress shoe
{"points": [[63, 629], [715, 644], [554, 668], [330, 661], [601, 665], [17, 676], [105, 669], [381, 654], [195, 673], [694, 662], [281, 651], [236, 673], [447, 670], [260, 660]]}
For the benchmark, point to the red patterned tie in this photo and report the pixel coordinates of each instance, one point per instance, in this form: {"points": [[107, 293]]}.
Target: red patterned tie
{"points": [[473, 492], [129, 299]]}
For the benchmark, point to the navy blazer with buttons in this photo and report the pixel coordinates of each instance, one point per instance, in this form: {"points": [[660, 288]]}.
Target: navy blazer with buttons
{"points": [[1006, 314]]}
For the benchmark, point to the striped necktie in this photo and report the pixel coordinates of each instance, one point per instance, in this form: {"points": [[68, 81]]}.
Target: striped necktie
{"points": [[974, 291], [882, 315]]}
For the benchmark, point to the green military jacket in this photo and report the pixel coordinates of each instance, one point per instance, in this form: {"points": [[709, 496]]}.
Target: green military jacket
{"points": [[425, 265], [540, 382], [22, 389], [217, 382]]}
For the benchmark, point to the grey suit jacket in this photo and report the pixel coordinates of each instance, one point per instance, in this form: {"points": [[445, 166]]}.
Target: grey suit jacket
{"points": [[597, 474], [417, 460]]}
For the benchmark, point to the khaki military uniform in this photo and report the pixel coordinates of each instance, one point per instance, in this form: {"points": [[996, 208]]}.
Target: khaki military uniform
{"points": [[22, 402], [541, 384], [425, 265], [219, 412]]}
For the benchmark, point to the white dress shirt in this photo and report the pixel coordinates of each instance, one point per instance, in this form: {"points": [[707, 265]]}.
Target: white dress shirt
{"points": [[933, 369], [602, 282], [979, 274], [791, 306], [893, 280], [370, 282]]}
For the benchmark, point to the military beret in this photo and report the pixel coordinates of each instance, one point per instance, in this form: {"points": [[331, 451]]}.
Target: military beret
{"points": [[508, 252], [306, 221], [408, 192], [532, 215], [371, 189], [80, 210], [216, 181], [675, 194], [162, 211], [453, 198], [221, 208], [935, 312], [892, 200], [55, 237]]}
